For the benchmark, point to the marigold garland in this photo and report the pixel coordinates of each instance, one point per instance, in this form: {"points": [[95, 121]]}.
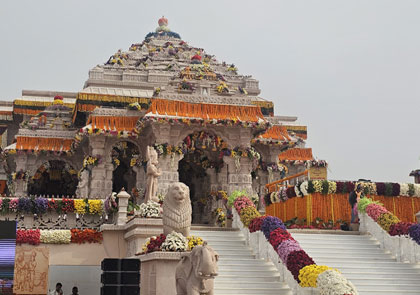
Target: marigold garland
{"points": [[95, 206], [80, 206], [309, 274]]}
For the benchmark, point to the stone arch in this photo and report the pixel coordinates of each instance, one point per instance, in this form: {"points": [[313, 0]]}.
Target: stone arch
{"points": [[53, 177], [186, 132]]}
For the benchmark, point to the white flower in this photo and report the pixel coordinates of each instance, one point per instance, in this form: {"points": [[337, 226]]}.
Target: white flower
{"points": [[404, 188], [304, 188], [317, 186], [297, 190], [417, 190], [149, 210], [55, 236], [331, 282], [175, 242], [332, 187]]}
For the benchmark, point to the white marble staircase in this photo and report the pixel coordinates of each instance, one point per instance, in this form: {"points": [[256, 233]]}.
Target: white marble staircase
{"points": [[359, 257], [240, 272]]}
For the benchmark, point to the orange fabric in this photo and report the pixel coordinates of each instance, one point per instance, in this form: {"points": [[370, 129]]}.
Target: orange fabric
{"points": [[276, 132], [23, 111], [42, 143], [205, 111], [7, 113], [86, 107], [293, 154], [2, 186], [321, 206], [114, 123]]}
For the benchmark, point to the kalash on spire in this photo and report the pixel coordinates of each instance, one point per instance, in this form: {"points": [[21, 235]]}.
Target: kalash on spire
{"points": [[163, 30]]}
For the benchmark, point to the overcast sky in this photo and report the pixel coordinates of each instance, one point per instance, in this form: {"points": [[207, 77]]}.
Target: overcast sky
{"points": [[347, 69]]}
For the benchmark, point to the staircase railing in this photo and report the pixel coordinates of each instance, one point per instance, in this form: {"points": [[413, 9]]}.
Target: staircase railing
{"points": [[273, 186]]}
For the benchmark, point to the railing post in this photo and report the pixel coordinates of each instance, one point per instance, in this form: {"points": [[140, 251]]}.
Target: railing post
{"points": [[122, 207]]}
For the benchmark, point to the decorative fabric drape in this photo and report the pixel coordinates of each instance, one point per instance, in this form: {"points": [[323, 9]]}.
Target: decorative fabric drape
{"points": [[294, 154], [43, 144], [113, 123]]}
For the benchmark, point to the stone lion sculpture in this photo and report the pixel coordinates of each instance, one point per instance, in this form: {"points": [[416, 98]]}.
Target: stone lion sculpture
{"points": [[177, 210], [195, 272]]}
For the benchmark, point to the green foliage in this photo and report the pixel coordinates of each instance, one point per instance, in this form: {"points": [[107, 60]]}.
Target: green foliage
{"points": [[311, 188], [410, 189], [234, 195], [325, 187], [364, 202]]}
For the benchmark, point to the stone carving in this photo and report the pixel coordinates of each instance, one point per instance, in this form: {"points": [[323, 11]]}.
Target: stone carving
{"points": [[82, 190], [177, 210], [153, 172], [195, 272]]}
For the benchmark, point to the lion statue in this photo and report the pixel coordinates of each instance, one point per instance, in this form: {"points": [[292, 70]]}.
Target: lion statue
{"points": [[195, 272], [177, 210]]}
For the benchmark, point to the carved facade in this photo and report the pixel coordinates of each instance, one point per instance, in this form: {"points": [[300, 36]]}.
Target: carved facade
{"points": [[207, 123]]}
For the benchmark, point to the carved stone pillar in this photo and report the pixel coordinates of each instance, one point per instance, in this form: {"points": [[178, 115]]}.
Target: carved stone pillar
{"points": [[169, 168], [239, 174], [21, 185], [99, 172], [122, 207]]}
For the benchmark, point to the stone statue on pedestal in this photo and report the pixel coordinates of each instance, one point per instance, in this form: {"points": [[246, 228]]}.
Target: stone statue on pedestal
{"points": [[177, 210], [153, 172], [195, 273], [82, 190]]}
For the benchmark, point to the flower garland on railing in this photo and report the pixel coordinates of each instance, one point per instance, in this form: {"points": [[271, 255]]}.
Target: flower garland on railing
{"points": [[150, 209], [297, 261], [78, 236], [326, 187], [388, 221], [39, 206]]}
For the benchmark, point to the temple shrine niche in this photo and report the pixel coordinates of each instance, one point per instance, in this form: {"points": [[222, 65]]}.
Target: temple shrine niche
{"points": [[205, 120]]}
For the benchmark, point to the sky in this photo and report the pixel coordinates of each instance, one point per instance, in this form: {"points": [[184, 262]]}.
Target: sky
{"points": [[348, 69]]}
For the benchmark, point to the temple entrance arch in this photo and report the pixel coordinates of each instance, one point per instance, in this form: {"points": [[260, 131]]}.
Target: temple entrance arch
{"points": [[201, 169], [125, 158], [54, 178]]}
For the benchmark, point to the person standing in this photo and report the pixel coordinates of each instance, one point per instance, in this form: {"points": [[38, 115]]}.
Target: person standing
{"points": [[58, 290], [354, 198], [75, 291]]}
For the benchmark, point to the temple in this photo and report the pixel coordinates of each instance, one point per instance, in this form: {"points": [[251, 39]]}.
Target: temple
{"points": [[207, 122]]}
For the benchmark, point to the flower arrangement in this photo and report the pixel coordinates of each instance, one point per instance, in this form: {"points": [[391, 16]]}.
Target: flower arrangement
{"points": [[194, 241], [29, 236], [55, 236], [309, 274], [242, 202], [247, 214], [13, 205], [414, 233], [331, 282], [256, 223], [278, 236], [385, 220], [90, 161], [150, 209], [80, 236], [167, 150], [234, 195], [110, 204], [400, 229], [287, 247], [316, 163], [219, 216], [95, 206], [153, 244], [297, 260], [375, 210], [80, 206], [175, 242], [222, 87], [271, 223]]}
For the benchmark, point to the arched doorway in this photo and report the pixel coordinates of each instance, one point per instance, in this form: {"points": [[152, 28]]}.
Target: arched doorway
{"points": [[125, 156], [54, 178], [198, 169]]}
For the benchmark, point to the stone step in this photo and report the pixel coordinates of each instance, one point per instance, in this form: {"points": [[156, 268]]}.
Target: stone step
{"points": [[255, 291], [250, 267], [246, 273], [352, 257], [223, 257], [244, 261], [403, 269], [243, 251], [246, 284], [226, 243], [381, 291], [380, 281], [391, 285], [252, 278], [339, 246], [328, 237]]}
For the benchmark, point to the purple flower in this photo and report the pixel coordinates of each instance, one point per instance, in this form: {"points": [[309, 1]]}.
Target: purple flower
{"points": [[287, 247], [24, 205], [40, 205], [271, 223], [414, 232]]}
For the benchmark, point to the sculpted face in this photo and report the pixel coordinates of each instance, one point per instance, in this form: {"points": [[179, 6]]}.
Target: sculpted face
{"points": [[179, 192]]}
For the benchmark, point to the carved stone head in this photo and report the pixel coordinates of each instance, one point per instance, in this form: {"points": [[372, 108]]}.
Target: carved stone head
{"points": [[179, 193]]}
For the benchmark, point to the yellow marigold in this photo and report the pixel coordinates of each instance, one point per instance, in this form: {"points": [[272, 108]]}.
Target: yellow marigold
{"points": [[309, 274], [80, 206], [95, 206], [194, 241], [248, 214], [385, 220]]}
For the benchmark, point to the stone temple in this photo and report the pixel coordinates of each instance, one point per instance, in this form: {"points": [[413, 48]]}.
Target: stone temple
{"points": [[207, 122]]}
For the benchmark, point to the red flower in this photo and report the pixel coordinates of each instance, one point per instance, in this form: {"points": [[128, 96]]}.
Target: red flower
{"points": [[297, 260], [29, 236], [255, 224], [81, 236], [156, 243], [400, 228], [279, 235], [68, 205]]}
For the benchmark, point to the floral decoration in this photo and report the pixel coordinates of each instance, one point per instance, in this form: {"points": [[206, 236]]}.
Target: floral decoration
{"points": [[80, 206], [95, 206], [256, 223], [153, 243], [414, 233], [29, 236], [309, 274], [269, 224], [150, 209], [55, 236], [80, 236], [296, 260], [110, 204], [400, 229], [331, 282], [374, 211], [242, 202], [286, 247], [220, 216], [175, 242], [385, 220], [234, 195], [278, 236], [194, 241], [248, 213]]}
